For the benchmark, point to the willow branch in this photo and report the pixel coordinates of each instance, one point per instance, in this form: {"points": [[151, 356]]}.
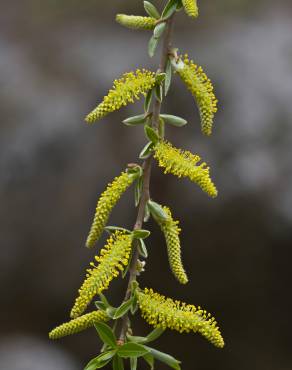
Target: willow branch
{"points": [[145, 196]]}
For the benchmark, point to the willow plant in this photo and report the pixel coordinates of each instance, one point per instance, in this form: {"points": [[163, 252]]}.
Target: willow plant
{"points": [[125, 250]]}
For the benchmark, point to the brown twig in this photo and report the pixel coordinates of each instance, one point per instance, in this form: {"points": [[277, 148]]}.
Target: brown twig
{"points": [[145, 196]]}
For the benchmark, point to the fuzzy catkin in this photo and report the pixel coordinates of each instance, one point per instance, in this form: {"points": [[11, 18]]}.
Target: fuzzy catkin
{"points": [[77, 325], [191, 8], [184, 164], [105, 204], [171, 232], [202, 90], [162, 312], [136, 22], [113, 258], [129, 87]]}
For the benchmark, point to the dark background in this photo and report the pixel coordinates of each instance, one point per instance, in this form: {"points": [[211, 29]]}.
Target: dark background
{"points": [[57, 60]]}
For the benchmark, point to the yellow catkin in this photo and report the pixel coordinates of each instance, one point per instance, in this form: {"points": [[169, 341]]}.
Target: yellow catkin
{"points": [[136, 22], [105, 204], [77, 325], [201, 88], [129, 87], [162, 312], [113, 258], [184, 164], [171, 232], [191, 8]]}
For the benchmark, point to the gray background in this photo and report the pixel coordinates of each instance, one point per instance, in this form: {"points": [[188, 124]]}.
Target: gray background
{"points": [[57, 60]]}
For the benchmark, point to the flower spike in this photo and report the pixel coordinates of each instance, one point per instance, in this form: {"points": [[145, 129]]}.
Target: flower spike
{"points": [[129, 87], [114, 257], [171, 232], [106, 203], [78, 325], [163, 312], [201, 88], [184, 164], [136, 22], [191, 8]]}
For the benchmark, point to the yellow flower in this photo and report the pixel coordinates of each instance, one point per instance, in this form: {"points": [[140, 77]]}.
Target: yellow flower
{"points": [[184, 164], [129, 87], [201, 88], [114, 257], [162, 312], [106, 203], [191, 8], [171, 232], [75, 326], [136, 22]]}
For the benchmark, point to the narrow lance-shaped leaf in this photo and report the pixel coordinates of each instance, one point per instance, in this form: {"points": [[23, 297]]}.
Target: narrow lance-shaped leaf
{"points": [[106, 334], [165, 358], [132, 350], [151, 10], [100, 361]]}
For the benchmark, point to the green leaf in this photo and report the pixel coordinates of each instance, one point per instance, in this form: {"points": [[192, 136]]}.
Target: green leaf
{"points": [[151, 134], [147, 101], [138, 190], [158, 93], [168, 77], [118, 363], [104, 300], [153, 335], [150, 360], [110, 311], [100, 305], [146, 151], [135, 120], [159, 29], [151, 10], [135, 171], [132, 350], [141, 234], [173, 120], [123, 309], [134, 306], [100, 361], [157, 211], [133, 363], [169, 9], [147, 214], [153, 42], [142, 248], [165, 358], [156, 333], [106, 334]]}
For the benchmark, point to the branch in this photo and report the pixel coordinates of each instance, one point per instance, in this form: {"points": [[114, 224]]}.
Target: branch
{"points": [[146, 177]]}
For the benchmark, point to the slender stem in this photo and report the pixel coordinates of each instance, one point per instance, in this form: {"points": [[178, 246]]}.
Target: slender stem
{"points": [[145, 196]]}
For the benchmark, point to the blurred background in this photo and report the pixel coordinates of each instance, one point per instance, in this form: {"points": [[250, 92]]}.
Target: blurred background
{"points": [[57, 60]]}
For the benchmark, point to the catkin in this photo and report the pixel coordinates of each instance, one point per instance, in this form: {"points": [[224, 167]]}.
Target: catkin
{"points": [[129, 87], [77, 325], [184, 164], [136, 22], [202, 90], [105, 204], [113, 258], [162, 312]]}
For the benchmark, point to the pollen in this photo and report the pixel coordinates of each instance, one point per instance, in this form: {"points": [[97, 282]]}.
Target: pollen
{"points": [[162, 312], [113, 258], [77, 325], [105, 204], [125, 90], [184, 164], [136, 22], [202, 90]]}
